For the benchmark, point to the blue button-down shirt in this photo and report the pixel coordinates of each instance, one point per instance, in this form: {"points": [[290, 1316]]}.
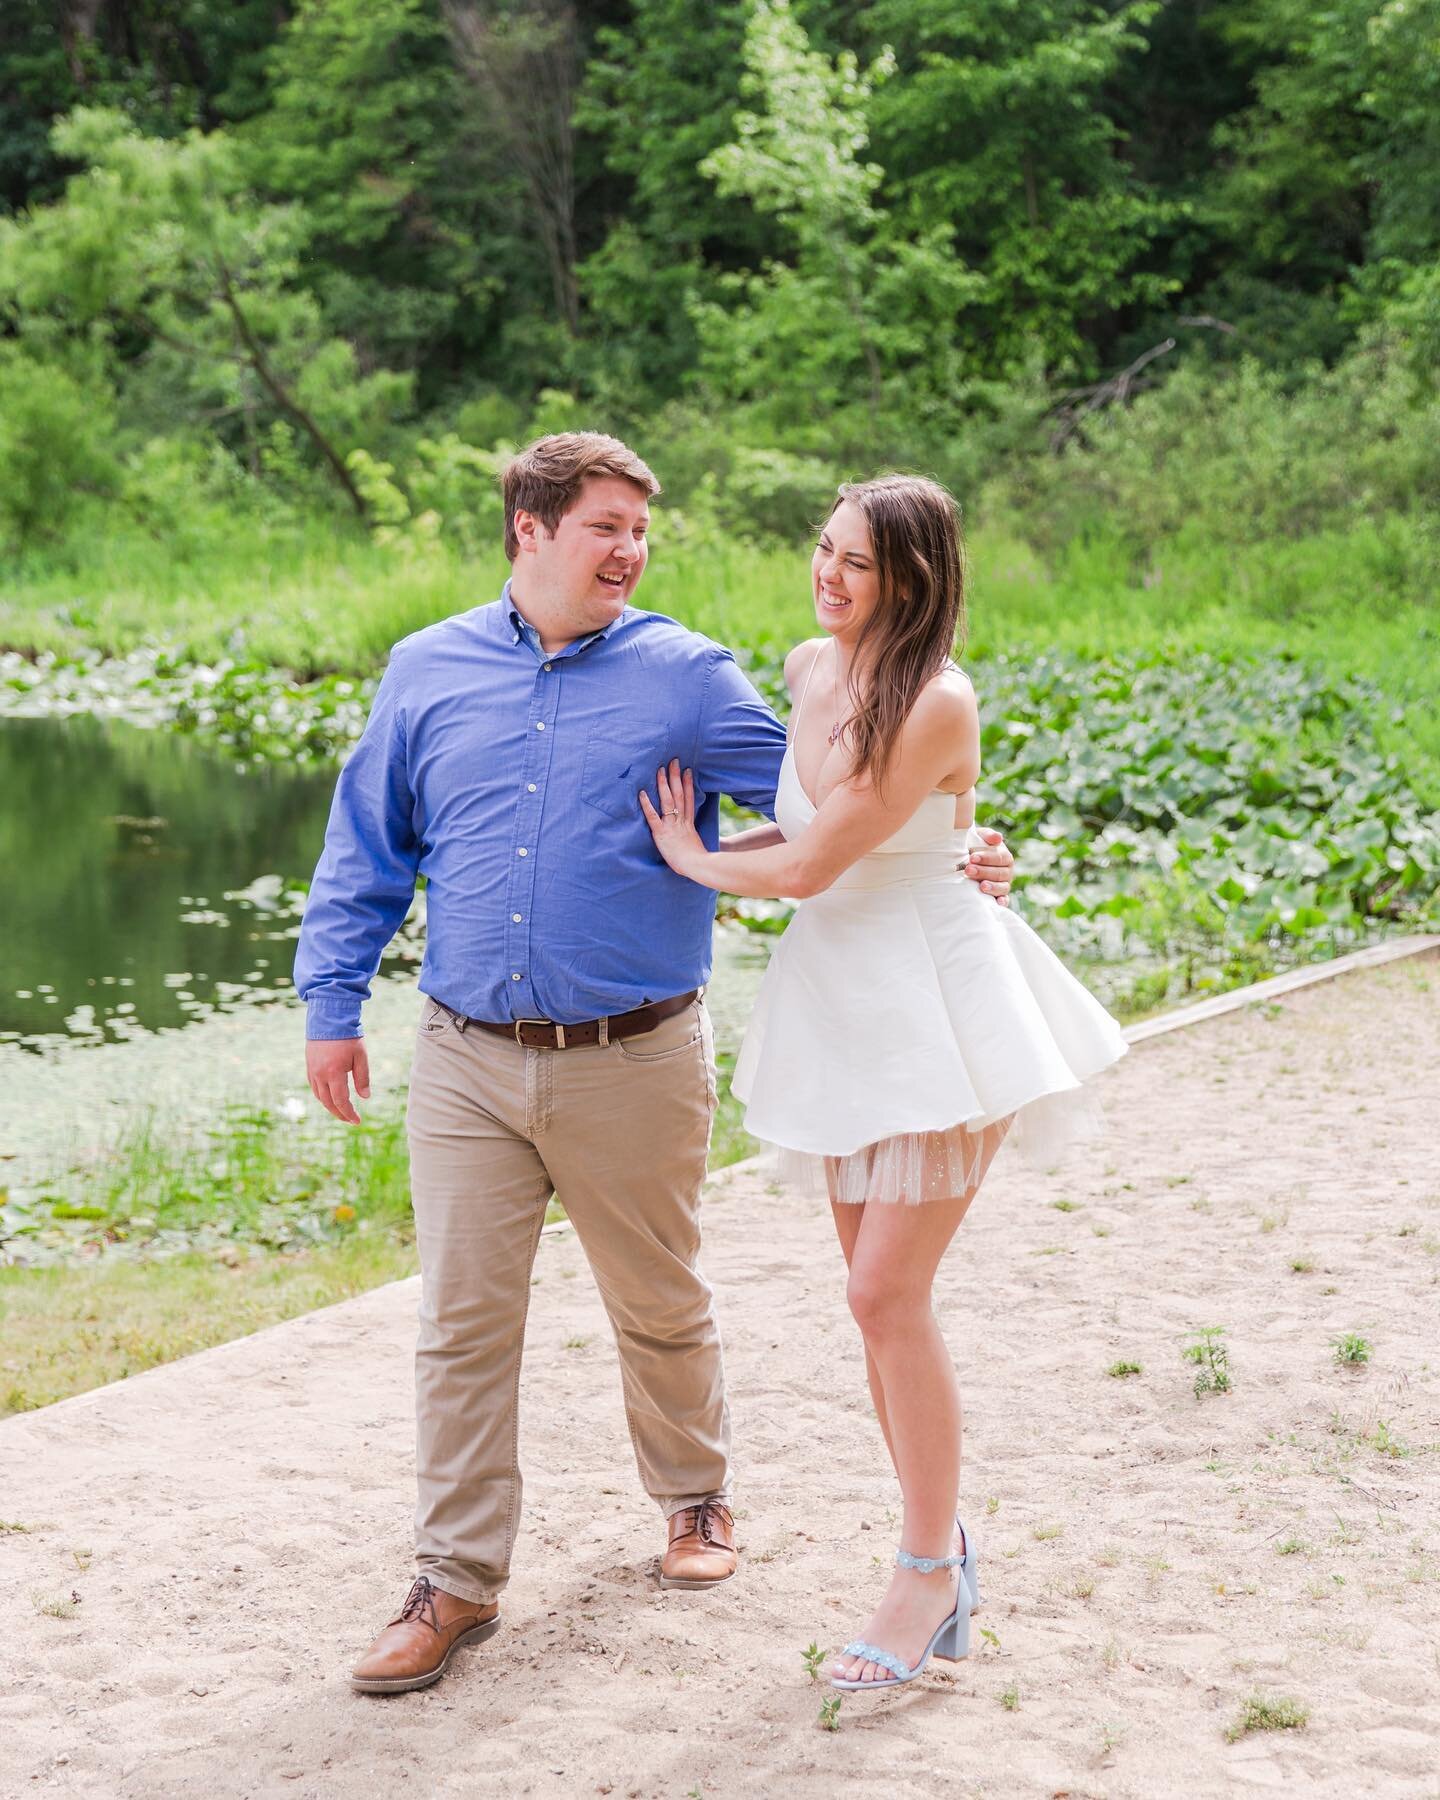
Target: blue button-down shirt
{"points": [[508, 779]]}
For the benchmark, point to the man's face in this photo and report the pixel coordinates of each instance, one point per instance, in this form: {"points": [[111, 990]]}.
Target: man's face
{"points": [[591, 564]]}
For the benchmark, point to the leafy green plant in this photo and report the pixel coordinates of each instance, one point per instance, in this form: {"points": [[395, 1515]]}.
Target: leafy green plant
{"points": [[813, 1658], [1351, 1349], [830, 1713], [1121, 1369], [1209, 1353]]}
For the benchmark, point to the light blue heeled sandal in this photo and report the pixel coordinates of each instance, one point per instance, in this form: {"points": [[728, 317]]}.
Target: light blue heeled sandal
{"points": [[950, 1643]]}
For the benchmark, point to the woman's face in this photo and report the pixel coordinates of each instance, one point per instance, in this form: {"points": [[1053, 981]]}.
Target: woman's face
{"points": [[844, 578]]}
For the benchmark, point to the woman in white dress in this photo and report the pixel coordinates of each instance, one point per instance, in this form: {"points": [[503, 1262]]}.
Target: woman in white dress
{"points": [[905, 1022]]}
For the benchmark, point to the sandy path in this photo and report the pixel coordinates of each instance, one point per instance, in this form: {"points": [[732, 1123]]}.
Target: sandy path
{"points": [[244, 1515]]}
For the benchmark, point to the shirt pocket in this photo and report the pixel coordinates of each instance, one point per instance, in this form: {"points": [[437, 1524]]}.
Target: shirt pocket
{"points": [[618, 763]]}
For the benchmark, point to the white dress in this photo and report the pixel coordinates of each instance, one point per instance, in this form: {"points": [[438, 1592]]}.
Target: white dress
{"points": [[906, 1021]]}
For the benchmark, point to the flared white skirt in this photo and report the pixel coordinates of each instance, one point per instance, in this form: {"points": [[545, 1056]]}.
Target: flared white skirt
{"points": [[904, 1027]]}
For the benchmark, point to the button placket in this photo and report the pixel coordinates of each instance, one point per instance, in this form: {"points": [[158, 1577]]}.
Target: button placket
{"points": [[539, 739]]}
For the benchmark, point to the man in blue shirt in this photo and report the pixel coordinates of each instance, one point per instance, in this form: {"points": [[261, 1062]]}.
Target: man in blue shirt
{"points": [[564, 1046]]}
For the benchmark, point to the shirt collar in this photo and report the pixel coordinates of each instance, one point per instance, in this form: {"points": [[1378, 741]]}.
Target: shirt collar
{"points": [[521, 628]]}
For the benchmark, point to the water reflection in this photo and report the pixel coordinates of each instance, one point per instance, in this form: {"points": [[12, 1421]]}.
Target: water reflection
{"points": [[143, 879]]}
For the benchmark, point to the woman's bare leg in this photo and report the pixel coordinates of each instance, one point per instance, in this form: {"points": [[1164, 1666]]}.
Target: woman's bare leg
{"points": [[893, 1255], [847, 1228]]}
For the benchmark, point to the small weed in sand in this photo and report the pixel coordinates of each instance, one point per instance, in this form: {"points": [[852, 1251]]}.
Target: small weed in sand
{"points": [[991, 1639], [1302, 1265], [1043, 1533], [1260, 1714], [576, 1343], [1112, 1655], [813, 1657], [8, 1525], [56, 1606], [1290, 1546], [1200, 1204], [1330, 1290], [1351, 1350], [992, 1506], [1385, 1441], [1344, 1532], [81, 1559], [1108, 1556], [1082, 1588], [1066, 1205], [1111, 1738], [1009, 1696], [1048, 1250], [1173, 1181], [1119, 1369], [1155, 1567], [1212, 1374], [830, 1713], [1101, 1230]]}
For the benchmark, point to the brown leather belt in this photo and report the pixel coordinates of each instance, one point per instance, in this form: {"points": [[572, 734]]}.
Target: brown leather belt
{"points": [[545, 1034]]}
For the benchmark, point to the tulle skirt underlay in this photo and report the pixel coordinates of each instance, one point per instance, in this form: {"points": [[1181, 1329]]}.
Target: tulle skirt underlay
{"points": [[903, 1033]]}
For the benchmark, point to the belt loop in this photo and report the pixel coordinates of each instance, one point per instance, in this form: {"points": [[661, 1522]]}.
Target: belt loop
{"points": [[604, 1031], [460, 1021], [559, 1037]]}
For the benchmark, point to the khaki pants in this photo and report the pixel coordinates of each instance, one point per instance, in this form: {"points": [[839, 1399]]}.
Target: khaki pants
{"points": [[620, 1132]]}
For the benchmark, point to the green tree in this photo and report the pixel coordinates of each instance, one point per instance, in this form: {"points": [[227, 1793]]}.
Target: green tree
{"points": [[158, 249], [862, 316], [1000, 127], [360, 129]]}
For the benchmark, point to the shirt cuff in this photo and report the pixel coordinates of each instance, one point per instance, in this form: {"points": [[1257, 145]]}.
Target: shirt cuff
{"points": [[330, 1017]]}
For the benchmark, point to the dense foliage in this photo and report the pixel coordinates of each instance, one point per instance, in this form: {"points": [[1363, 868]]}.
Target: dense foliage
{"points": [[254, 255]]}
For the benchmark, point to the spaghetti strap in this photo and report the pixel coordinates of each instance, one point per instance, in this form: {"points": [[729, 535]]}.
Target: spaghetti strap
{"points": [[809, 677]]}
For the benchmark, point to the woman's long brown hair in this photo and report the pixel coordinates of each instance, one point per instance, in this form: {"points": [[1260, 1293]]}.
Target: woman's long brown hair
{"points": [[920, 618]]}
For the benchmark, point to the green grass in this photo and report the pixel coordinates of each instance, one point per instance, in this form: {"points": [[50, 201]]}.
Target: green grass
{"points": [[68, 1329], [1261, 1714], [168, 1244]]}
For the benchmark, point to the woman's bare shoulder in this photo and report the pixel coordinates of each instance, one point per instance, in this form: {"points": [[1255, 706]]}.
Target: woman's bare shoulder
{"points": [[946, 701], [800, 661]]}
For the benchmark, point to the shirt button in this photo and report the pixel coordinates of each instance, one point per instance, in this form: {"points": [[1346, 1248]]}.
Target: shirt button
{"points": [[515, 917], [549, 667], [529, 787], [514, 977], [539, 724], [522, 852]]}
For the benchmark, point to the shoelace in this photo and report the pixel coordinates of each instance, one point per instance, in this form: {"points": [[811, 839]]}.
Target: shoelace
{"points": [[705, 1517], [419, 1603]]}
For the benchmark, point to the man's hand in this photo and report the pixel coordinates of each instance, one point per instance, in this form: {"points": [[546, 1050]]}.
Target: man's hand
{"points": [[329, 1066], [992, 867]]}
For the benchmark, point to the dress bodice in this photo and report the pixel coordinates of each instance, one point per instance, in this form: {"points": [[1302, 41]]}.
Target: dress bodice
{"points": [[928, 833]]}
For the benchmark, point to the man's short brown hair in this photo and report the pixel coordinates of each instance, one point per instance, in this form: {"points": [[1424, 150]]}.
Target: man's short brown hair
{"points": [[545, 478]]}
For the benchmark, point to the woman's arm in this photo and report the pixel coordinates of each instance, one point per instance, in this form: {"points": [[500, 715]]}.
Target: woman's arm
{"points": [[758, 837], [940, 739]]}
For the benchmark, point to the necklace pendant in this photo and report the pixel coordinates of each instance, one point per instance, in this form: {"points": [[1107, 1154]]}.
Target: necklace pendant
{"points": [[834, 734]]}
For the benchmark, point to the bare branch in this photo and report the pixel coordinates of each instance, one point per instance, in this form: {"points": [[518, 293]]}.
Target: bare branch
{"points": [[522, 64]]}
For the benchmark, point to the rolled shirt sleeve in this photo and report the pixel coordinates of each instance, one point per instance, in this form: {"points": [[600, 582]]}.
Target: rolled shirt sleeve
{"points": [[365, 879]]}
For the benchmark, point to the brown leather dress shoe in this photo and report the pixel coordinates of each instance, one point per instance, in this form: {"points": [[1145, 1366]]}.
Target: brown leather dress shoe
{"points": [[701, 1552], [414, 1649]]}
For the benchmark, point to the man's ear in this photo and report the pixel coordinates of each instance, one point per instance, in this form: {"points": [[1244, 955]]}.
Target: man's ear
{"points": [[530, 528]]}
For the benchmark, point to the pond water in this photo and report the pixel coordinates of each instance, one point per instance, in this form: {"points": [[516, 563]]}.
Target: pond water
{"points": [[144, 880], [147, 883]]}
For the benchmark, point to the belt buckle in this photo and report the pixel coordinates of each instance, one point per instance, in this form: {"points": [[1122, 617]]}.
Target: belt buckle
{"points": [[559, 1031]]}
